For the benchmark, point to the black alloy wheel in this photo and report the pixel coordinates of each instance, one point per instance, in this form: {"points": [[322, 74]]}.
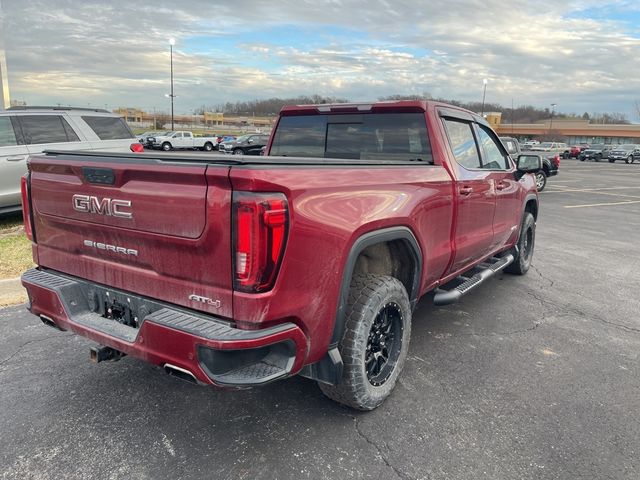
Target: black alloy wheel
{"points": [[383, 345]]}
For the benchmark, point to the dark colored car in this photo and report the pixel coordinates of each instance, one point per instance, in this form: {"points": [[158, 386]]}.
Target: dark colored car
{"points": [[549, 168], [596, 152], [627, 152], [245, 145]]}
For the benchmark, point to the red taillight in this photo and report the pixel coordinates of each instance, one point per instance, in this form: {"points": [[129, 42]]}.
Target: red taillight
{"points": [[136, 147], [26, 208], [261, 221], [556, 161]]}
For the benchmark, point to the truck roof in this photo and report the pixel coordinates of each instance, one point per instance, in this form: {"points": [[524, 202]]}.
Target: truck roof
{"points": [[361, 107]]}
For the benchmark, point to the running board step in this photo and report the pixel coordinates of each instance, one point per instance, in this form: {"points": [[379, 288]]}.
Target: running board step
{"points": [[446, 297]]}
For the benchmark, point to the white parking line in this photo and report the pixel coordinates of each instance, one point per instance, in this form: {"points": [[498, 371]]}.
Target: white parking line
{"points": [[602, 204], [588, 190]]}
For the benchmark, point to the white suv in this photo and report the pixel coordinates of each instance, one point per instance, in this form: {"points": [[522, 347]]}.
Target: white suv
{"points": [[26, 131]]}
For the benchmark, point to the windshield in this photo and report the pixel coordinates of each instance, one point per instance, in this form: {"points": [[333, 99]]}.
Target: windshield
{"points": [[546, 144], [243, 138], [597, 146], [385, 136], [627, 146]]}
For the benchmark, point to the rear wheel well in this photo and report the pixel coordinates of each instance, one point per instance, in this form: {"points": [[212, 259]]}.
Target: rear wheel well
{"points": [[393, 258], [532, 208]]}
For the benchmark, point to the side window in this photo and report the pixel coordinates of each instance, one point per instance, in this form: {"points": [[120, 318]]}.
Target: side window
{"points": [[463, 143], [40, 129], [7, 134], [492, 158], [108, 128]]}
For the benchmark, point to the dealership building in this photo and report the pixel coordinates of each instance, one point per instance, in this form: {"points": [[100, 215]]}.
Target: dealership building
{"points": [[574, 131]]}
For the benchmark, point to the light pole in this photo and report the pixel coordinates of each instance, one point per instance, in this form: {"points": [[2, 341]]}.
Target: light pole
{"points": [[172, 42], [484, 94], [553, 107]]}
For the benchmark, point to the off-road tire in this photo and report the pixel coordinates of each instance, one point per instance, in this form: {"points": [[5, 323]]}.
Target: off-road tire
{"points": [[541, 180], [526, 244], [370, 295], [166, 146]]}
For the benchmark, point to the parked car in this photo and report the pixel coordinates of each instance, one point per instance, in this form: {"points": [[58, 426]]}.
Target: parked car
{"points": [[145, 137], [182, 140], [239, 272], [512, 145], [596, 152], [245, 145], [574, 151], [550, 165], [627, 152], [27, 131], [529, 144], [225, 138], [548, 146]]}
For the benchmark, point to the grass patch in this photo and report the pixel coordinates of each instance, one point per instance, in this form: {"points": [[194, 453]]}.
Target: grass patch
{"points": [[15, 255]]}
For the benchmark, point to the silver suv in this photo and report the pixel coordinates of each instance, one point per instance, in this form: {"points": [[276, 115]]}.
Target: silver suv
{"points": [[29, 130]]}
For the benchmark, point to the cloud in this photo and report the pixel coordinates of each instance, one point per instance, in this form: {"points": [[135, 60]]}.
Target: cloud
{"points": [[577, 54]]}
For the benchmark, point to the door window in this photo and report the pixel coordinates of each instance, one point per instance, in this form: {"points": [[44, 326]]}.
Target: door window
{"points": [[463, 143], [7, 134], [40, 129], [492, 158]]}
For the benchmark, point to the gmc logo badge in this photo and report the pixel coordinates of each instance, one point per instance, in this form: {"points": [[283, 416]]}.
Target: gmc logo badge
{"points": [[106, 206]]}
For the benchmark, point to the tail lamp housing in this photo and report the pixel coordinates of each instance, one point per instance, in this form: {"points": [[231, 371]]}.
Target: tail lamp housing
{"points": [[556, 161], [26, 206], [260, 229]]}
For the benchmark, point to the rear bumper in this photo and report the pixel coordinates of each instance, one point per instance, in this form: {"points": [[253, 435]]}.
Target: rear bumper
{"points": [[211, 349]]}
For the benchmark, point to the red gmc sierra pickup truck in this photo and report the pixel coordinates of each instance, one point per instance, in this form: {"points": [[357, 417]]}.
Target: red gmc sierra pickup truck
{"points": [[238, 271]]}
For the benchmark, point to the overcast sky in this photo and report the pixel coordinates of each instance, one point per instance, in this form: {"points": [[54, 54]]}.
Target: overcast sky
{"points": [[583, 55]]}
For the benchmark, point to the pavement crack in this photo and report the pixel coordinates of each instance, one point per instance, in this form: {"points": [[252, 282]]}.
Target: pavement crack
{"points": [[30, 342], [397, 471], [543, 277]]}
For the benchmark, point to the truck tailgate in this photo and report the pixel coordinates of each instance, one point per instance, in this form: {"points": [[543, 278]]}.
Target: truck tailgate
{"points": [[156, 228]]}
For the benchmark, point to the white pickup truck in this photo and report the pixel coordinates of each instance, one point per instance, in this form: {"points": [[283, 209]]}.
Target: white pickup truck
{"points": [[182, 140]]}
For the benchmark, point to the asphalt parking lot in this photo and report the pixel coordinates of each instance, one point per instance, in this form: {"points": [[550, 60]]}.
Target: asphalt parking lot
{"points": [[528, 377]]}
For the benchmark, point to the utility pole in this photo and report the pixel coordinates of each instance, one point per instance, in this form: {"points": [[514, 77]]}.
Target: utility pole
{"points": [[484, 94], [171, 44], [553, 107]]}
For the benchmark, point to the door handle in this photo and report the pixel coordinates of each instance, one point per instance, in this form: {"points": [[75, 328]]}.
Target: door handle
{"points": [[466, 190], [501, 186], [15, 159]]}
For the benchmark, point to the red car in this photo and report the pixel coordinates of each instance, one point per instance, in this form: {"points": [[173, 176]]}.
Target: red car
{"points": [[242, 270], [574, 151]]}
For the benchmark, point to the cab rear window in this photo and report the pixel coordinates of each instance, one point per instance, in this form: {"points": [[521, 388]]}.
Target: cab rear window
{"points": [[384, 136], [108, 128]]}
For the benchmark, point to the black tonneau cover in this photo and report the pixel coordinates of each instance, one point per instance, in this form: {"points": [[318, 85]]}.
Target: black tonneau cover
{"points": [[220, 159]]}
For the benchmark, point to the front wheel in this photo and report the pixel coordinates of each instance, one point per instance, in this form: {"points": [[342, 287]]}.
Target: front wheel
{"points": [[629, 159], [524, 251], [541, 180], [598, 158], [238, 151], [166, 146], [612, 160], [375, 341]]}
